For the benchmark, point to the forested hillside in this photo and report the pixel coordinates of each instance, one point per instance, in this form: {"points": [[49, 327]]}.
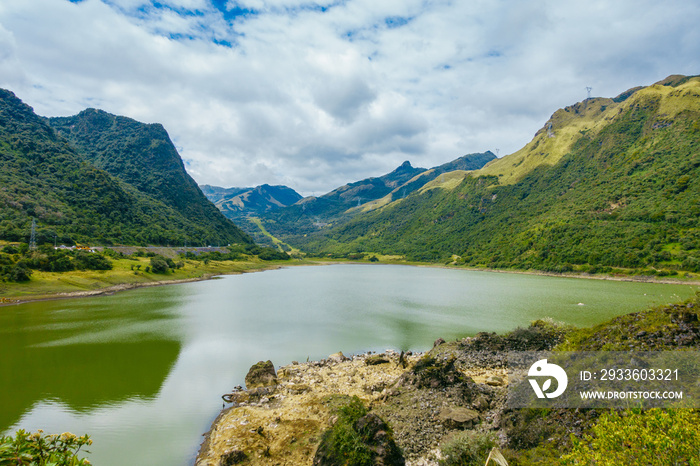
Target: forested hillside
{"points": [[605, 183], [44, 176], [143, 156]]}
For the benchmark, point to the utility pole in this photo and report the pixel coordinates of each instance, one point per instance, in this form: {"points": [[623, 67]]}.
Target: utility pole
{"points": [[589, 89]]}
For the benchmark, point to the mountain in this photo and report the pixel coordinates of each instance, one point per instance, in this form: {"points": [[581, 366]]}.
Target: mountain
{"points": [[78, 192], [238, 203], [143, 156], [606, 183], [312, 214]]}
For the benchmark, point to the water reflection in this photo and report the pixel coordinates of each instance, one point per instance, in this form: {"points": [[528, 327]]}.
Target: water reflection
{"points": [[84, 353], [82, 376]]}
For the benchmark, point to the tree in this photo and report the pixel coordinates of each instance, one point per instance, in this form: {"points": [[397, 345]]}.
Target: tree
{"points": [[20, 273], [158, 265]]}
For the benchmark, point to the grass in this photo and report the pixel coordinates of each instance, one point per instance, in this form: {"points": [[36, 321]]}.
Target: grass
{"points": [[281, 245], [449, 180], [585, 118], [49, 284]]}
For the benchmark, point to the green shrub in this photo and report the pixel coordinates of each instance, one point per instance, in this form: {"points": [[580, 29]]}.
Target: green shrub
{"points": [[158, 265], [342, 444], [467, 448], [42, 450], [91, 261], [9, 249], [356, 438], [19, 273], [653, 437]]}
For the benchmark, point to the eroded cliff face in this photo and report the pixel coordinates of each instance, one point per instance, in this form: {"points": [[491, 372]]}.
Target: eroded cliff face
{"points": [[424, 399]]}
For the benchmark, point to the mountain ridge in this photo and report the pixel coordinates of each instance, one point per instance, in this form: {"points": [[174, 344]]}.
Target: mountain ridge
{"points": [[611, 183], [310, 214], [46, 177], [244, 202]]}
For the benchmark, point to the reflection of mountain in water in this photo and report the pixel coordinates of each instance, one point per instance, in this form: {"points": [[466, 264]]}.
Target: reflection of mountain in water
{"points": [[86, 353], [82, 376]]}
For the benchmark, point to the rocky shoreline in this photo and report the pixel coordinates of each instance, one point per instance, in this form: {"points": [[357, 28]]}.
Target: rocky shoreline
{"points": [[424, 398], [429, 405]]}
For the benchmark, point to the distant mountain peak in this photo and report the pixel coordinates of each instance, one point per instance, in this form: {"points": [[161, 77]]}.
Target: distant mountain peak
{"points": [[237, 203]]}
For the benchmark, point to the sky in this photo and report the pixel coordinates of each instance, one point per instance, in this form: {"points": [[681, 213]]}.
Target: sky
{"points": [[316, 94]]}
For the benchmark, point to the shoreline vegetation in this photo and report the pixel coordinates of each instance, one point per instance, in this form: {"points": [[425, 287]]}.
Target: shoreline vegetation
{"points": [[130, 271]]}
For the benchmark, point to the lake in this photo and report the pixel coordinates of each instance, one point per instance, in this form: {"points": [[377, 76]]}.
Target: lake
{"points": [[143, 371]]}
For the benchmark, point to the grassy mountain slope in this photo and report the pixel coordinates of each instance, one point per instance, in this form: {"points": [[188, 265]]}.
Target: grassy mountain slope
{"points": [[143, 156], [43, 176], [245, 205], [612, 183], [310, 215]]}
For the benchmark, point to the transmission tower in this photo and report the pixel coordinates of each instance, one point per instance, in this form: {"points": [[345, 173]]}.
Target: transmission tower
{"points": [[589, 89], [32, 238]]}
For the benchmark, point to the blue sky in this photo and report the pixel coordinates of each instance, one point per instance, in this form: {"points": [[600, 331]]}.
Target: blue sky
{"points": [[316, 94]]}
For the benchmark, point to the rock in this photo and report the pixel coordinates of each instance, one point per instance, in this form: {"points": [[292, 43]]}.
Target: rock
{"points": [[438, 342], [431, 372], [376, 359], [284, 373], [261, 374], [232, 457], [237, 397], [458, 417], [494, 381], [338, 357], [296, 388], [481, 403]]}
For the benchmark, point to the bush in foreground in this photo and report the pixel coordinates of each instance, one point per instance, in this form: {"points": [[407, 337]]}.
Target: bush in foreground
{"points": [[467, 448], [42, 450], [654, 437]]}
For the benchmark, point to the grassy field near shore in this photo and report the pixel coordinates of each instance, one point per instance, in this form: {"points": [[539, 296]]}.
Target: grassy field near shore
{"points": [[130, 272], [126, 273]]}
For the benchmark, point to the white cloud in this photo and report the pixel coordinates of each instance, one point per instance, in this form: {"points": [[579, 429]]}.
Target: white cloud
{"points": [[317, 94]]}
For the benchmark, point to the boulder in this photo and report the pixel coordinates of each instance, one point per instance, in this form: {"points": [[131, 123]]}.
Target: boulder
{"points": [[297, 388], [337, 357], [495, 381], [481, 403], [458, 417], [232, 457], [261, 374], [376, 359], [435, 372]]}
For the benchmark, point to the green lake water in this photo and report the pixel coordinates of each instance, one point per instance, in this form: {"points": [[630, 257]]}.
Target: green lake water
{"points": [[143, 371]]}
